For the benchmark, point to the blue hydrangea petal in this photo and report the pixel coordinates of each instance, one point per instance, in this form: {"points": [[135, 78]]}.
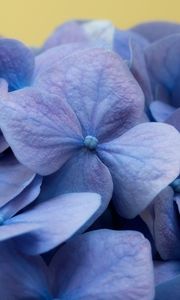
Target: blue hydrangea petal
{"points": [[101, 90], [122, 43], [169, 289], [103, 264], [69, 32], [28, 195], [142, 162], [52, 222], [16, 63], [161, 111], [14, 178], [164, 64], [41, 129], [174, 119], [46, 61], [166, 225], [165, 271], [82, 173], [156, 30], [22, 277]]}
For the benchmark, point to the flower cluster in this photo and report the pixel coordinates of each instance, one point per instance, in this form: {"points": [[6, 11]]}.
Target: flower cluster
{"points": [[90, 164]]}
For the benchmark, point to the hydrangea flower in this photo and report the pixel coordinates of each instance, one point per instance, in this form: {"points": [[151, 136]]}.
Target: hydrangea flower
{"points": [[83, 128], [46, 225], [80, 271]]}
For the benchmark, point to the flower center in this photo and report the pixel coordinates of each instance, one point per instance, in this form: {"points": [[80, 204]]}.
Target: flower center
{"points": [[90, 142], [176, 185]]}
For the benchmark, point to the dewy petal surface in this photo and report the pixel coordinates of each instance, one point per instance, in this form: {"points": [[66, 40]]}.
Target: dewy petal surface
{"points": [[103, 264], [14, 178], [41, 129], [142, 162], [82, 173], [101, 90], [22, 277], [52, 222], [16, 63]]}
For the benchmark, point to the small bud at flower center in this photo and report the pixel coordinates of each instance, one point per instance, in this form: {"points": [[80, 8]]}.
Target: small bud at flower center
{"points": [[90, 142]]}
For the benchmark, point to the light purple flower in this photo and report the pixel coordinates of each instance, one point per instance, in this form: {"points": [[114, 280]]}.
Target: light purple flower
{"points": [[81, 128]]}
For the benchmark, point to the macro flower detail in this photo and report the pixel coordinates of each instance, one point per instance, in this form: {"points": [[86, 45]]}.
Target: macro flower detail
{"points": [[92, 99], [78, 270], [46, 225]]}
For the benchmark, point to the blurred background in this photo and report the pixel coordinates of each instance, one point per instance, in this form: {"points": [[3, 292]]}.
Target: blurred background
{"points": [[32, 21]]}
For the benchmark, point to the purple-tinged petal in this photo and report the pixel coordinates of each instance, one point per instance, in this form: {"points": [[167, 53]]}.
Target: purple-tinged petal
{"points": [[26, 197], [41, 129], [22, 277], [52, 222], [166, 225], [82, 173], [16, 63], [82, 32], [142, 162], [174, 119], [163, 62], [168, 290], [69, 32], [103, 264], [156, 30], [49, 58], [165, 271], [161, 111], [101, 90], [139, 69], [14, 178], [123, 40]]}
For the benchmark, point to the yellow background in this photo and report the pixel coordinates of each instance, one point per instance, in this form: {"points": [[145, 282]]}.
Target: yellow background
{"points": [[32, 20]]}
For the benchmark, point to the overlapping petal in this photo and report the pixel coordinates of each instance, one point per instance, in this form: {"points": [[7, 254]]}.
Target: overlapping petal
{"points": [[27, 196], [101, 90], [51, 223], [164, 63], [22, 277], [41, 129], [142, 162], [82, 173], [16, 63], [14, 178], [166, 225], [156, 30], [103, 264]]}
